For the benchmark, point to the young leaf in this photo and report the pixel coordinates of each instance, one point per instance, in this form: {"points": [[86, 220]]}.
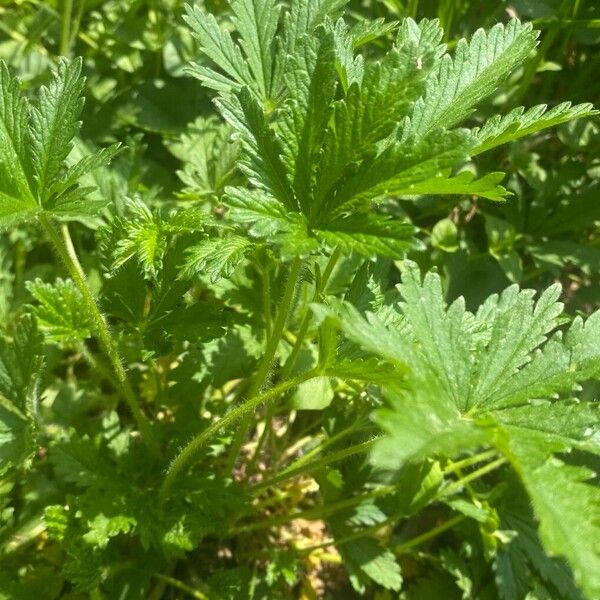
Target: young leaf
{"points": [[54, 124], [216, 257], [60, 314]]}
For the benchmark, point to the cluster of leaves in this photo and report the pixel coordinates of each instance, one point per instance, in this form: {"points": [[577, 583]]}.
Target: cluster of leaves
{"points": [[287, 352]]}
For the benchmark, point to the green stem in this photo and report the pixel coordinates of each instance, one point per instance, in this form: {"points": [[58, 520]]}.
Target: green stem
{"points": [[469, 461], [65, 250], [267, 360], [267, 300], [65, 28], [417, 541], [291, 360], [355, 535], [194, 593], [314, 513], [315, 464], [460, 483], [189, 453]]}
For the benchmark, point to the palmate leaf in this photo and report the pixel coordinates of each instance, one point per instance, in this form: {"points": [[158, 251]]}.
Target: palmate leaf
{"points": [[326, 132], [21, 369], [480, 380], [36, 138]]}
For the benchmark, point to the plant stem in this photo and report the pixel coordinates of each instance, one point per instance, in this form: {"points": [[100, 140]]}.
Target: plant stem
{"points": [[270, 350], [315, 464], [460, 483], [417, 541], [65, 28], [469, 461], [314, 513], [188, 454], [65, 250], [194, 593], [291, 360]]}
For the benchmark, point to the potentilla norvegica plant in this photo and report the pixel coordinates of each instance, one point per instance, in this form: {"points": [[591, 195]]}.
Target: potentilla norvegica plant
{"points": [[273, 372]]}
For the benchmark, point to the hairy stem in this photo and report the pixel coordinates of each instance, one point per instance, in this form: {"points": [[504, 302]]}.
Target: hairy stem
{"points": [[65, 250], [291, 360], [306, 467], [271, 348], [189, 453]]}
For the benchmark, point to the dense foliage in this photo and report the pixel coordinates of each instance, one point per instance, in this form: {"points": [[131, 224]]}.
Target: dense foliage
{"points": [[302, 301]]}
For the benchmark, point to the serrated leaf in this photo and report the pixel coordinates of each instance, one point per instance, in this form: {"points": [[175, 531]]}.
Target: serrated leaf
{"points": [[561, 494], [366, 557], [520, 122], [216, 257], [477, 68], [220, 48], [61, 314], [256, 21], [370, 235], [21, 369], [102, 528], [17, 202], [54, 124]]}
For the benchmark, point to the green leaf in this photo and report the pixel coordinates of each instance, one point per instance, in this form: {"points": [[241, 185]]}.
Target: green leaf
{"points": [[444, 235], [520, 122], [262, 161], [256, 22], [54, 124], [315, 394], [477, 380], [61, 315], [459, 84], [21, 369], [311, 82], [17, 202], [103, 528], [373, 107], [366, 557], [367, 30], [567, 504], [218, 46], [216, 257], [370, 235], [522, 560]]}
